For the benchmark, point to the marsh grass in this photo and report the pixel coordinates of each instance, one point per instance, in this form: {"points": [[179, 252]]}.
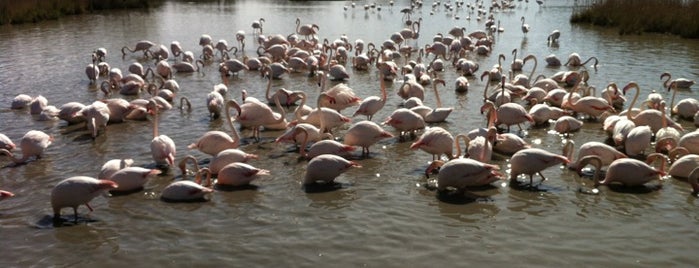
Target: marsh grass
{"points": [[680, 17], [23, 11]]}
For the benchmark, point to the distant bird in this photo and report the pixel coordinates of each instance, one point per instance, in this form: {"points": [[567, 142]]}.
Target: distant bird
{"points": [[525, 27], [257, 26], [553, 37]]}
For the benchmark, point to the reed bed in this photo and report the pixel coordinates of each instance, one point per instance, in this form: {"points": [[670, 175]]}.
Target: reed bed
{"points": [[23, 11], [680, 17]]}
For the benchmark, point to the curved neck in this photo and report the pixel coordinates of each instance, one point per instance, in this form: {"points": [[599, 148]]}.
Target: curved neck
{"points": [[458, 144], [12, 156], [183, 164], [633, 102], [229, 119], [297, 112]]}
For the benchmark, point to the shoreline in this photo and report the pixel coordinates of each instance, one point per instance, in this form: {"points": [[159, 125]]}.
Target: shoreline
{"points": [[677, 17], [32, 11]]}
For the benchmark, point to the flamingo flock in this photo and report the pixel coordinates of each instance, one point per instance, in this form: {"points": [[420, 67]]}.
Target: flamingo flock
{"points": [[327, 136]]}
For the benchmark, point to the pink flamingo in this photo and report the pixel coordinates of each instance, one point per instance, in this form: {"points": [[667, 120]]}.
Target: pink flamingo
{"points": [[680, 82], [693, 178], [143, 45], [365, 134], [187, 191], [75, 191], [325, 168], [162, 147], [21, 101], [6, 143], [690, 141], [112, 166], [5, 194], [685, 108], [256, 114], [213, 142], [626, 171], [331, 118], [229, 156], [463, 173], [72, 112], [370, 105], [239, 174], [342, 95], [97, 117], [650, 117], [606, 153], [405, 121], [132, 178], [33, 143], [507, 114], [533, 160], [682, 162], [437, 141]]}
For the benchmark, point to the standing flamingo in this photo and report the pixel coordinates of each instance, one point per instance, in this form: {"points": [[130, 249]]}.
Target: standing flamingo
{"points": [[33, 143], [162, 147], [325, 168], [685, 108], [229, 156], [370, 105], [143, 45], [342, 94], [525, 27], [75, 191], [606, 153], [437, 141], [650, 117], [257, 26], [533, 160], [365, 134], [507, 114], [405, 121], [680, 82], [256, 114]]}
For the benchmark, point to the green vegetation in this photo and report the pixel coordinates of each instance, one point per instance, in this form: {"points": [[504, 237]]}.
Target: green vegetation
{"points": [[22, 11], [680, 17]]}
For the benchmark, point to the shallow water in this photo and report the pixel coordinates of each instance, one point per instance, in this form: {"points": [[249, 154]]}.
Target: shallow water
{"points": [[383, 215]]}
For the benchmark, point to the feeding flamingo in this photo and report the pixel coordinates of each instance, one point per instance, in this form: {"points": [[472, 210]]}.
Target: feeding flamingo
{"points": [[370, 105], [187, 191], [606, 153], [213, 142], [75, 191], [462, 173], [33, 143], [625, 171], [112, 166], [131, 179], [365, 134], [533, 160], [239, 174], [325, 168]]}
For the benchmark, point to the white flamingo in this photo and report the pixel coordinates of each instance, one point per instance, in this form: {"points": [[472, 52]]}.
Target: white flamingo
{"points": [[75, 191]]}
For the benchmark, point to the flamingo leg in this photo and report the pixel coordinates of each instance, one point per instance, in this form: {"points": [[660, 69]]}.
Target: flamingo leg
{"points": [[542, 177], [75, 209]]}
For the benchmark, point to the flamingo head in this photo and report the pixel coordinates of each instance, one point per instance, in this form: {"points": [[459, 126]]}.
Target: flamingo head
{"points": [[107, 184], [434, 167]]}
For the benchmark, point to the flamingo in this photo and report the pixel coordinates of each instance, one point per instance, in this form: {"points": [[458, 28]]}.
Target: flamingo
{"points": [[405, 121], [222, 46], [6, 143], [507, 114], [92, 72], [667, 136], [5, 194], [187, 191], [112, 166], [131, 179], [307, 30], [690, 141], [680, 82], [21, 101], [525, 27], [256, 114], [437, 141], [650, 117], [240, 37], [143, 45], [682, 167], [186, 67], [239, 174], [37, 105], [411, 88], [463, 173], [33, 143], [685, 108], [606, 153], [533, 160], [162, 147], [553, 37], [542, 113], [567, 124], [435, 115], [257, 26], [365, 134], [637, 140], [72, 112], [213, 142], [229, 156], [575, 61], [590, 105], [329, 117], [215, 103], [325, 168], [76, 191], [342, 95], [509, 143], [370, 105], [626, 171], [481, 148], [461, 84]]}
